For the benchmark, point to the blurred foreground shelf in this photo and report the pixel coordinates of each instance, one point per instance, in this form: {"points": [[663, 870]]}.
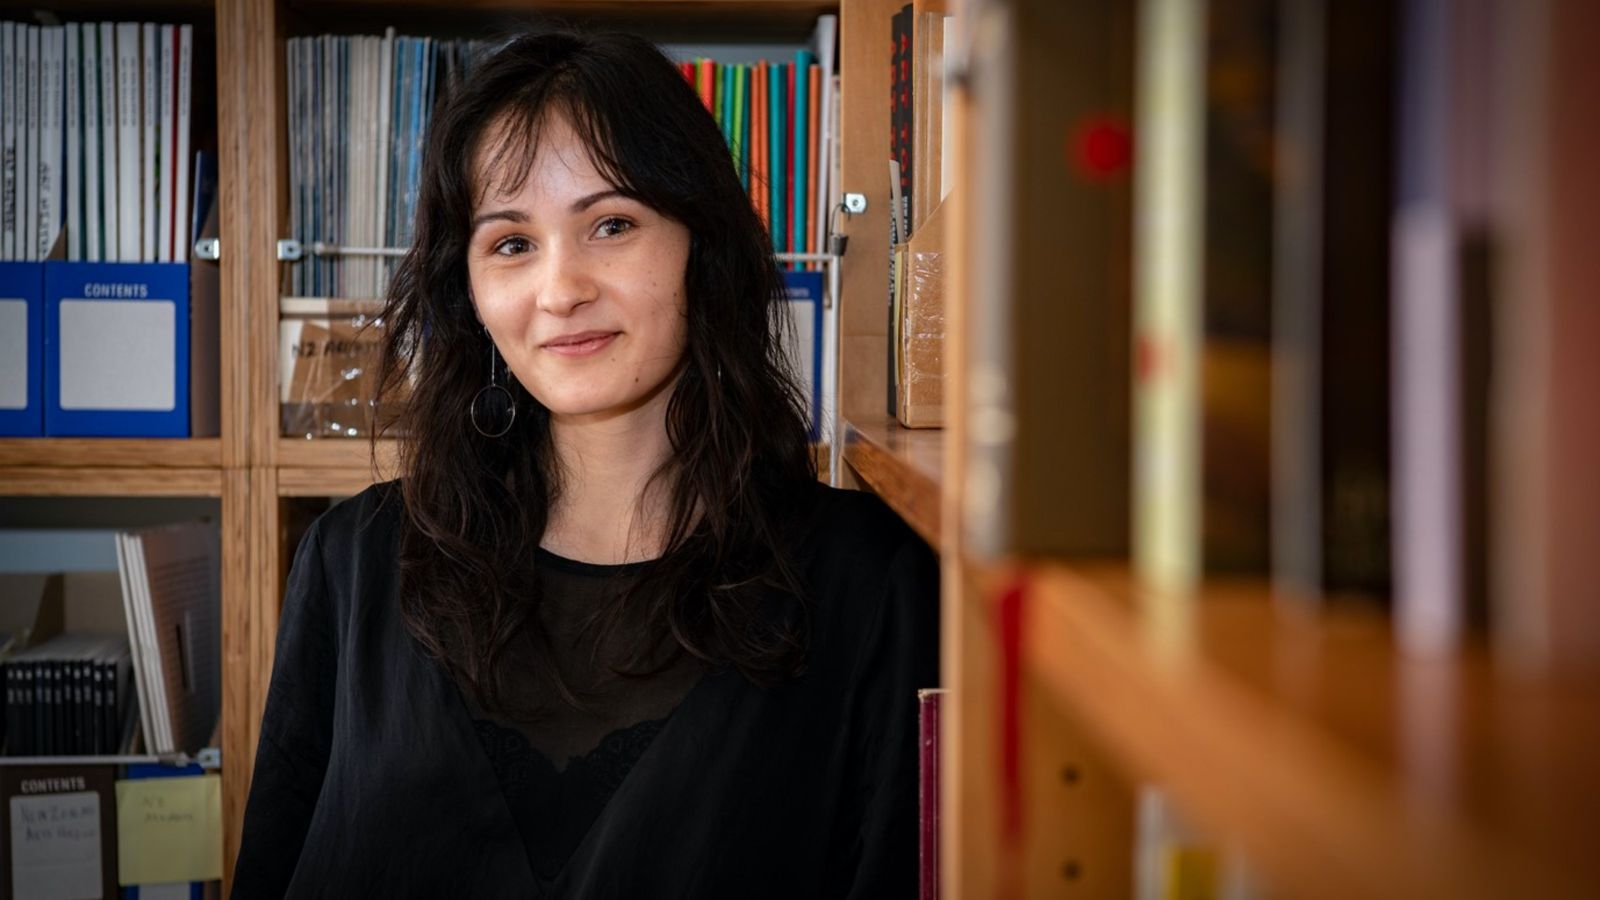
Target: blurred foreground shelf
{"points": [[1338, 766]]}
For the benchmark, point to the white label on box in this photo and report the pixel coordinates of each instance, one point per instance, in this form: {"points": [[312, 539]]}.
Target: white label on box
{"points": [[55, 847], [13, 354], [119, 355]]}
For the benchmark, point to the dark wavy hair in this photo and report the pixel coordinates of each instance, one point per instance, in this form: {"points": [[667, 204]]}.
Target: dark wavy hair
{"points": [[475, 508]]}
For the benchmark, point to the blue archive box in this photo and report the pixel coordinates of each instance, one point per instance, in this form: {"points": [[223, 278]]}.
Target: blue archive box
{"points": [[116, 349], [21, 349], [803, 291]]}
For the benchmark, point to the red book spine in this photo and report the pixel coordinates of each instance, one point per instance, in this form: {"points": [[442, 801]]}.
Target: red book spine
{"points": [[928, 791], [707, 83], [814, 102], [758, 161]]}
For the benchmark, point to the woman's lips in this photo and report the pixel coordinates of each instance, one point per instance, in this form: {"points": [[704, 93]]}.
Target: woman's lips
{"points": [[584, 344]]}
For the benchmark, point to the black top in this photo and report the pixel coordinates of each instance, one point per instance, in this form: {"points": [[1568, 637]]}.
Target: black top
{"points": [[559, 764], [374, 778]]}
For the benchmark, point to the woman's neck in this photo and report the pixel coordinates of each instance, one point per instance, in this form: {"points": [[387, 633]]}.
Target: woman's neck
{"points": [[602, 514]]}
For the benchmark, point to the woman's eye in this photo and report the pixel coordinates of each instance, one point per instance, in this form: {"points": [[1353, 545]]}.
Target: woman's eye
{"points": [[613, 226], [512, 246]]}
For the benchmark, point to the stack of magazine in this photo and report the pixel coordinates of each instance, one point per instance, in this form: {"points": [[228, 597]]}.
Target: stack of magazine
{"points": [[95, 141], [79, 683], [171, 585], [359, 108]]}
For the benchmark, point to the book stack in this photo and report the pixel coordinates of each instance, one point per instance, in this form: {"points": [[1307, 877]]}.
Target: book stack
{"points": [[95, 135], [69, 695], [171, 592], [354, 99], [780, 122]]}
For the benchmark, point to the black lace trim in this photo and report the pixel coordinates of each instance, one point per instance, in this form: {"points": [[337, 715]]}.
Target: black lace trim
{"points": [[519, 764]]}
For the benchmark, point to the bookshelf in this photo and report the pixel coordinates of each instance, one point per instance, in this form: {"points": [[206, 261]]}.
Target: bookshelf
{"points": [[1336, 763]]}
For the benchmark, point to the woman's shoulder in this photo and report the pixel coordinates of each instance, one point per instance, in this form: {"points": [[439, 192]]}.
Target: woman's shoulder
{"points": [[858, 533], [363, 522]]}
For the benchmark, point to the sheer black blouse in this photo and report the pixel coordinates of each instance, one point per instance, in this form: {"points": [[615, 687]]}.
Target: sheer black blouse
{"points": [[375, 776]]}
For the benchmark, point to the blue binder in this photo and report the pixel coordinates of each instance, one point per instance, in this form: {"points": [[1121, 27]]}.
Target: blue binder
{"points": [[21, 349], [116, 349], [803, 291]]}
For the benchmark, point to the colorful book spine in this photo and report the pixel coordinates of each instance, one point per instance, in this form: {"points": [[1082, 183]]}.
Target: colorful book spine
{"points": [[776, 104], [798, 157], [813, 186], [758, 156]]}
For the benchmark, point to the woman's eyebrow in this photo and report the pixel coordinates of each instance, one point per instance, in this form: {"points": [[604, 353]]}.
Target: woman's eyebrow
{"points": [[499, 215], [583, 203]]}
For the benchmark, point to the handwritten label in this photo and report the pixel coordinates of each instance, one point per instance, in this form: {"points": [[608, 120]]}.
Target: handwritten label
{"points": [[55, 846], [170, 829]]}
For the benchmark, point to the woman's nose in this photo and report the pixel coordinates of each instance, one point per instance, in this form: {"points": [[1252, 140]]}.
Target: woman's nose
{"points": [[568, 282]]}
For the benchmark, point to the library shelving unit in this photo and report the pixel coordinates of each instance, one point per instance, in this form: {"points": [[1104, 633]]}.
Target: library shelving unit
{"points": [[1336, 765]]}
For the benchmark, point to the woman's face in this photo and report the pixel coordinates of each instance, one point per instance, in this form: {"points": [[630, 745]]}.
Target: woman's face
{"points": [[581, 288]]}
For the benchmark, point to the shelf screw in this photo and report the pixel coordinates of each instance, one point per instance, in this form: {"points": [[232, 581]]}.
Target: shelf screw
{"points": [[1071, 871], [1070, 775]]}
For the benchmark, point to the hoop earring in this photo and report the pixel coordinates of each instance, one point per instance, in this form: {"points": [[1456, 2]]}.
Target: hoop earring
{"points": [[492, 402]]}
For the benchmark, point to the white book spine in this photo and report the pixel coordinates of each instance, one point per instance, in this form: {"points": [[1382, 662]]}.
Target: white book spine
{"points": [[28, 215], [166, 196], [128, 141], [374, 75], [50, 187], [827, 33], [182, 189], [354, 151], [74, 146], [129, 604], [380, 212], [110, 195], [150, 159], [8, 141], [92, 160]]}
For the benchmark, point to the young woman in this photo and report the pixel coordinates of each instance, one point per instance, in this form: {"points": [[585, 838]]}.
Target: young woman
{"points": [[607, 636]]}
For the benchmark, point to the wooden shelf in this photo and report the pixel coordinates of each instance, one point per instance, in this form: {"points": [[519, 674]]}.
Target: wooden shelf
{"points": [[700, 18], [177, 453], [111, 467], [335, 453], [901, 465], [87, 481], [1337, 765]]}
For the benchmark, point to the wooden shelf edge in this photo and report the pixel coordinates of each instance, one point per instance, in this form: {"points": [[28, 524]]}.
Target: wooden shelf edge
{"points": [[323, 482], [902, 466], [335, 453], [57, 453], [47, 481], [1302, 806]]}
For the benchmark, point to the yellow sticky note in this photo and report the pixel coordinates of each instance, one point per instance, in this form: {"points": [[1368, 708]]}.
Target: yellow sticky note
{"points": [[169, 829]]}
